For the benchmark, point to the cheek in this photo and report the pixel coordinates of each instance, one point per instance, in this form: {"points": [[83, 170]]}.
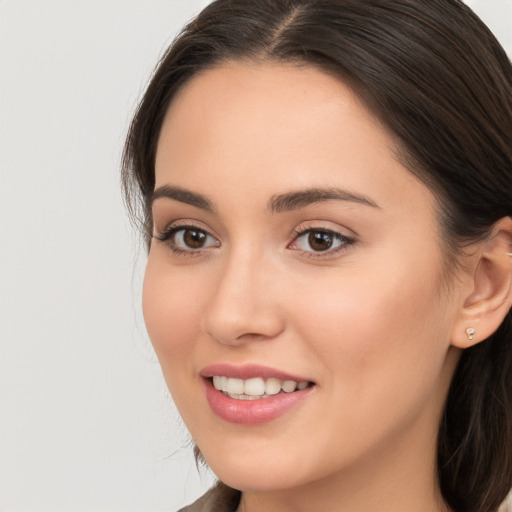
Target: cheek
{"points": [[374, 328], [171, 309], [383, 344]]}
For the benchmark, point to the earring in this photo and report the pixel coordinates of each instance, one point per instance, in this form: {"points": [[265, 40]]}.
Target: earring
{"points": [[470, 331]]}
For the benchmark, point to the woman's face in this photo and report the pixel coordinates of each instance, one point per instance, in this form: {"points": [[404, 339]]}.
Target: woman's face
{"points": [[291, 245]]}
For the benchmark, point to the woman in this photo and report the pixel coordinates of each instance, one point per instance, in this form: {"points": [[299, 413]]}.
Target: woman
{"points": [[326, 192]]}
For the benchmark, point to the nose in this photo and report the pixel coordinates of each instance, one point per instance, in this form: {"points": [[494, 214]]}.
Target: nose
{"points": [[244, 305]]}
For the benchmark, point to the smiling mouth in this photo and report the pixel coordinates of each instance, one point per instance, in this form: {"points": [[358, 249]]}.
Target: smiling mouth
{"points": [[256, 388]]}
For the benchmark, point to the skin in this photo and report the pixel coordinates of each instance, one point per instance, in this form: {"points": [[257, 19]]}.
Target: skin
{"points": [[370, 321]]}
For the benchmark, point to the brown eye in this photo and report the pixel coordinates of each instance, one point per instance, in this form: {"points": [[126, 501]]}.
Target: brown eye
{"points": [[187, 239], [320, 240], [194, 238]]}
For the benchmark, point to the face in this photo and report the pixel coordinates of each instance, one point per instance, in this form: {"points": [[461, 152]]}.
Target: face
{"points": [[295, 265]]}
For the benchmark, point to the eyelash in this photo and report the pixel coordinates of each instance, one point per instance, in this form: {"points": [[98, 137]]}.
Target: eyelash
{"points": [[168, 234]]}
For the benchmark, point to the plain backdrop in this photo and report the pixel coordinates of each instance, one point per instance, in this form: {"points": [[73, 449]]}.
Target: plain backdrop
{"points": [[86, 423]]}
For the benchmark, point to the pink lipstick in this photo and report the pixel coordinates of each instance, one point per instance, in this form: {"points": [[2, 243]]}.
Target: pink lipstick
{"points": [[252, 394]]}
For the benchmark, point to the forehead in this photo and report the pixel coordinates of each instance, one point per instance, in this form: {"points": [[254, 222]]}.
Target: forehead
{"points": [[276, 126], [249, 91]]}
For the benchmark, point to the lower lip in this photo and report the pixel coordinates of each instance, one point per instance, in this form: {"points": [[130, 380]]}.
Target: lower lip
{"points": [[252, 412]]}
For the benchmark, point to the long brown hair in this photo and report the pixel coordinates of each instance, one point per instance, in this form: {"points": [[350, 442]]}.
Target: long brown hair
{"points": [[436, 76]]}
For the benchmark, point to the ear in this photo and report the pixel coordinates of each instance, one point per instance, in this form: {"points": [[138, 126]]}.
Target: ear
{"points": [[490, 296]]}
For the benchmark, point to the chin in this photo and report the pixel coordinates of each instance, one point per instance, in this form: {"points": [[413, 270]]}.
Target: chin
{"points": [[257, 479], [257, 472]]}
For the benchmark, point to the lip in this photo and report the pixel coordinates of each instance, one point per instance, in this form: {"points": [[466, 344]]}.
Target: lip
{"points": [[248, 371], [251, 412]]}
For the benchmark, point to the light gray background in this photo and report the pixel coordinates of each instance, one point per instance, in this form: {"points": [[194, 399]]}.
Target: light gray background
{"points": [[86, 422]]}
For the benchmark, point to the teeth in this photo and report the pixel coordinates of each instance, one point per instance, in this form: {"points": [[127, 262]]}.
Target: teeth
{"points": [[246, 397], [272, 386], [236, 387], [289, 386], [252, 389]]}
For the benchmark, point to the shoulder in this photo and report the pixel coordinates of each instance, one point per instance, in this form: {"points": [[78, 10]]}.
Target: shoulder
{"points": [[220, 498]]}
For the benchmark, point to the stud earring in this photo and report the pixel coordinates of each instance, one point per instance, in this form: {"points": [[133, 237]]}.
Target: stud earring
{"points": [[470, 331]]}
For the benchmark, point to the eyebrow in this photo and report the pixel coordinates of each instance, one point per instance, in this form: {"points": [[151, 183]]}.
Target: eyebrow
{"points": [[183, 196], [277, 204], [302, 198]]}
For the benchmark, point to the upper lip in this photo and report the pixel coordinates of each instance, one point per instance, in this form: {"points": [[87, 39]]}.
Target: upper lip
{"points": [[248, 371]]}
